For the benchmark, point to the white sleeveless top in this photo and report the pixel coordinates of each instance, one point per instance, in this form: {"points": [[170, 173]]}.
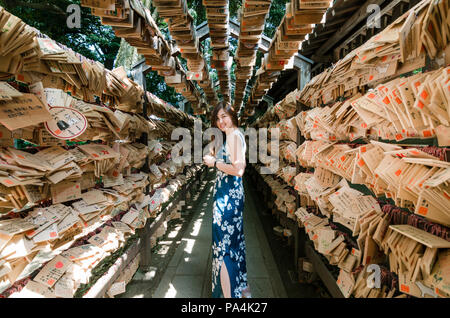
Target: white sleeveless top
{"points": [[238, 132], [223, 152]]}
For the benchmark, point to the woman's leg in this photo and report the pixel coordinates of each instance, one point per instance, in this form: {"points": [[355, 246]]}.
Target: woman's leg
{"points": [[225, 281]]}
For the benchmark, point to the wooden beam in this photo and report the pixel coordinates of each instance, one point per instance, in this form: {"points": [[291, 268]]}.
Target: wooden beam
{"points": [[322, 58], [356, 18], [320, 34], [310, 50], [315, 42], [334, 22], [299, 58], [323, 272], [235, 28], [384, 22], [202, 31], [316, 67], [338, 12], [336, 5], [268, 100]]}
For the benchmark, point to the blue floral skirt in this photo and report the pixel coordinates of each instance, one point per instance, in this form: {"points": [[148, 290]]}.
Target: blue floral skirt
{"points": [[228, 244]]}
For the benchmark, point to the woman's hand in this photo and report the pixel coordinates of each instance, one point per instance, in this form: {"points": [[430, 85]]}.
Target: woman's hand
{"points": [[209, 160]]}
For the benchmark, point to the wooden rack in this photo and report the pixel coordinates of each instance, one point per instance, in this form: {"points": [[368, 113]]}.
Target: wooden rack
{"points": [[142, 244]]}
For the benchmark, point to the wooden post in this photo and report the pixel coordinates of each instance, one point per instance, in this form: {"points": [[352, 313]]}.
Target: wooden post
{"points": [[303, 77], [146, 252], [138, 73]]}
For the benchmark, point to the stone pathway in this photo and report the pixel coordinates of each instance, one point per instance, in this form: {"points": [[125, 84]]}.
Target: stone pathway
{"points": [[188, 273]]}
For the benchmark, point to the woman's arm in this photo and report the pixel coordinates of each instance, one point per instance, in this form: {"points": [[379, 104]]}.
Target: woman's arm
{"points": [[237, 157]]}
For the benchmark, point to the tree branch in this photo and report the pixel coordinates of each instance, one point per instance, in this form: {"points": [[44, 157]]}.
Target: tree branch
{"points": [[98, 50]]}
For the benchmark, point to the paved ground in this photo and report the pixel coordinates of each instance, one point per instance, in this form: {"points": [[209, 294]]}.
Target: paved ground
{"points": [[182, 262]]}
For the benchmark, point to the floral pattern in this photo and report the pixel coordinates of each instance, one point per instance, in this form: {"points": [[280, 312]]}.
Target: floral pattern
{"points": [[228, 245]]}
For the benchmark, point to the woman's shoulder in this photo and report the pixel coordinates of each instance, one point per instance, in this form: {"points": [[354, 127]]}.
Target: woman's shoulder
{"points": [[238, 138], [237, 135], [239, 132]]}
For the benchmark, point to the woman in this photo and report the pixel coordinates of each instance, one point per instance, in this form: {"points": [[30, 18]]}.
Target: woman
{"points": [[229, 269]]}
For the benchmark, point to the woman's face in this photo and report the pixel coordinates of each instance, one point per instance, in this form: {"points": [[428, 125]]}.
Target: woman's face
{"points": [[224, 120]]}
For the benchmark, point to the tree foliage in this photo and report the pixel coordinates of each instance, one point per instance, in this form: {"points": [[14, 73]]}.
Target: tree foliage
{"points": [[156, 85], [93, 40], [276, 13]]}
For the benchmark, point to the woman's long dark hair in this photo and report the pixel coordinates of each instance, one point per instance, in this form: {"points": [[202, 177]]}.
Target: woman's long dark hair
{"points": [[229, 110]]}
